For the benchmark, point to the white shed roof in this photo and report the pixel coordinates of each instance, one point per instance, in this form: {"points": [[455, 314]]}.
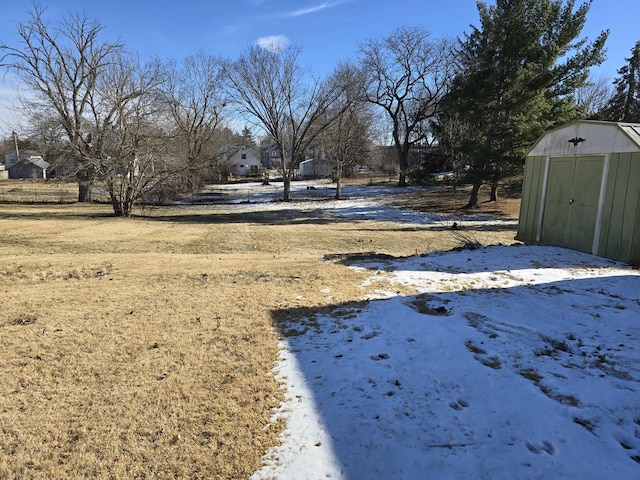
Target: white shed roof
{"points": [[36, 160], [587, 137]]}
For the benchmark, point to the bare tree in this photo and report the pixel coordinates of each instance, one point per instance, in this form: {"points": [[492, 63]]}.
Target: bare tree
{"points": [[272, 91], [46, 131], [127, 141], [450, 130], [347, 140], [61, 65], [407, 76], [195, 99], [591, 98]]}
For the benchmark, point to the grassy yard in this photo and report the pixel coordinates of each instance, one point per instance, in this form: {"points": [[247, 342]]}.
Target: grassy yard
{"points": [[38, 191], [144, 347]]}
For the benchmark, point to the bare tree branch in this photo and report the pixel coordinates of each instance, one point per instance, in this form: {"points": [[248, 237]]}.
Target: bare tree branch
{"points": [[61, 65], [408, 73], [271, 90]]}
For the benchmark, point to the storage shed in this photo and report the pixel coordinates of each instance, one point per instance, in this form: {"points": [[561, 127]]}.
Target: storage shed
{"points": [[581, 190], [33, 166]]}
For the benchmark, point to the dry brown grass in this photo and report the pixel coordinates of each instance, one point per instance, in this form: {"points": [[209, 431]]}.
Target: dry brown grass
{"points": [[144, 348], [38, 191], [449, 200]]}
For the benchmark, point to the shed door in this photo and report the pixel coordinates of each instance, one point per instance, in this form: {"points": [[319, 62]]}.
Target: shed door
{"points": [[573, 193]]}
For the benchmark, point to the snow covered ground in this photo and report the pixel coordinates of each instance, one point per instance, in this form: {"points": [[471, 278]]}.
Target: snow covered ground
{"points": [[510, 362], [358, 202]]}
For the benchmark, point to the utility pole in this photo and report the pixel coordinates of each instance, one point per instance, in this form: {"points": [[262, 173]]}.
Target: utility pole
{"points": [[15, 139]]}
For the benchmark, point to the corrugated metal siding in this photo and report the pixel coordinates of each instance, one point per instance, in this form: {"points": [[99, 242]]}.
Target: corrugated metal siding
{"points": [[531, 198], [634, 257], [572, 199], [619, 234], [619, 217], [557, 209], [583, 203]]}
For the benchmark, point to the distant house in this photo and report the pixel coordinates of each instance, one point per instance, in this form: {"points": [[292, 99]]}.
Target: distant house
{"points": [[245, 161], [315, 168], [271, 159], [29, 165]]}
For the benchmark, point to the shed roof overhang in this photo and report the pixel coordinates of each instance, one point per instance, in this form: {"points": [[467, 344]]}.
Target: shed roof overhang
{"points": [[588, 137]]}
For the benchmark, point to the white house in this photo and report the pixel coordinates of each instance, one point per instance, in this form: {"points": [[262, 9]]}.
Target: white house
{"points": [[245, 161]]}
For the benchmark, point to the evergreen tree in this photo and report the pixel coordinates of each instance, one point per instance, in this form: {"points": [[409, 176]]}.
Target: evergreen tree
{"points": [[517, 72], [624, 105], [247, 137]]}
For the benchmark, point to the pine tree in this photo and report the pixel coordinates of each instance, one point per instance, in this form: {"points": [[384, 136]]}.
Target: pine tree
{"points": [[516, 73], [624, 105], [247, 137]]}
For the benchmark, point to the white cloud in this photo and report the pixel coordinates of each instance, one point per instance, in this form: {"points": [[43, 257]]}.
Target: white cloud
{"points": [[273, 43], [314, 9]]}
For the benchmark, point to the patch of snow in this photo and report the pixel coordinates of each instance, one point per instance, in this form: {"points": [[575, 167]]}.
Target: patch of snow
{"points": [[510, 362], [360, 202]]}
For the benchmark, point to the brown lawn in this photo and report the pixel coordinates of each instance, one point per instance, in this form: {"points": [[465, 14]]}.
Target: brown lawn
{"points": [[144, 348]]}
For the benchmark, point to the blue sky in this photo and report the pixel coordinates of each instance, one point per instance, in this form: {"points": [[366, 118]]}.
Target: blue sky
{"points": [[329, 31]]}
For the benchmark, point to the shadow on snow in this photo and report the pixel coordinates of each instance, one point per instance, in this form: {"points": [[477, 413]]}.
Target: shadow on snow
{"points": [[470, 382]]}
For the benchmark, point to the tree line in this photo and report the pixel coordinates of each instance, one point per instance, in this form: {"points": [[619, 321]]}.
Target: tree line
{"points": [[478, 102]]}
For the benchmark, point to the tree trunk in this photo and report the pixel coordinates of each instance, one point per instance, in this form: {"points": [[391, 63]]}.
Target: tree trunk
{"points": [[338, 185], [117, 208], [120, 209], [116, 203], [84, 191], [403, 163], [493, 196], [402, 181], [85, 174], [127, 207], [473, 199], [287, 188]]}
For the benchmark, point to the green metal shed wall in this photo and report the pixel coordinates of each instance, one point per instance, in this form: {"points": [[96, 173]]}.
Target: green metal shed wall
{"points": [[634, 258], [620, 228], [620, 234], [531, 199]]}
